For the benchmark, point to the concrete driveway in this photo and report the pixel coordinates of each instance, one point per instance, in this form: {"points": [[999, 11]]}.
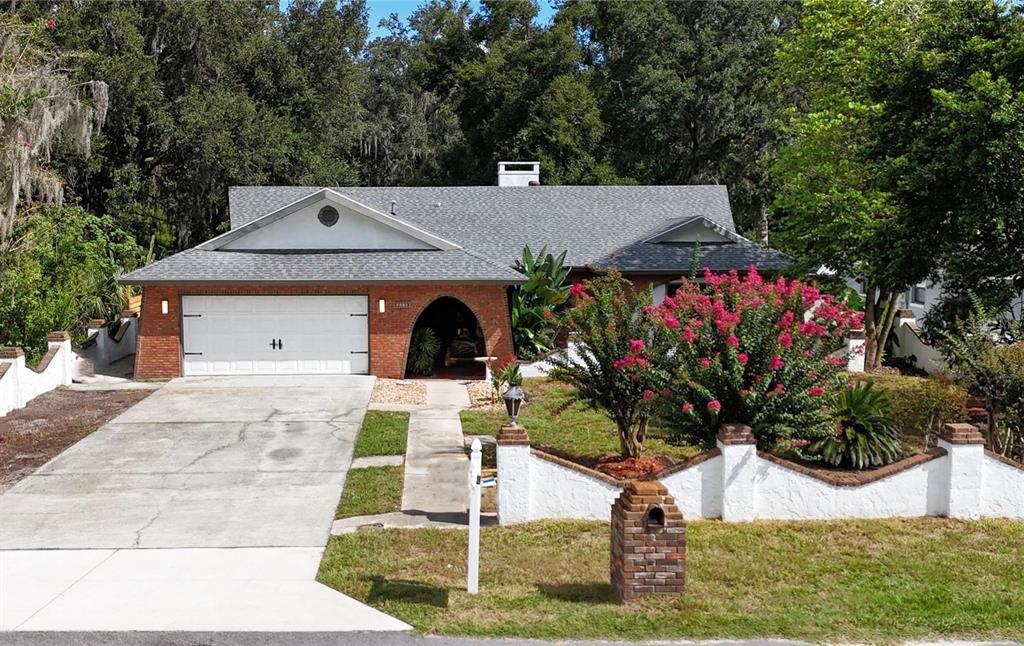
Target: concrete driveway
{"points": [[205, 506]]}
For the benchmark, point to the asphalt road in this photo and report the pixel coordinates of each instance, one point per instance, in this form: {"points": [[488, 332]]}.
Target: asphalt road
{"points": [[322, 639], [282, 639]]}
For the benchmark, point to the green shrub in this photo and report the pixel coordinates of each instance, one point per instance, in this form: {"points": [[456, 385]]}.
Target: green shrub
{"points": [[989, 362], [423, 349], [920, 405], [59, 269], [865, 435]]}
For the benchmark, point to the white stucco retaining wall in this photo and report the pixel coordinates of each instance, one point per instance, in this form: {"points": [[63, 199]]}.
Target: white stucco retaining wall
{"points": [[735, 483], [1002, 490], [20, 384], [105, 349], [784, 494], [559, 491]]}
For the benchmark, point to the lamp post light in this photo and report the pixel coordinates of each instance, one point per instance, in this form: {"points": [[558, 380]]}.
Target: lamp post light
{"points": [[513, 400]]}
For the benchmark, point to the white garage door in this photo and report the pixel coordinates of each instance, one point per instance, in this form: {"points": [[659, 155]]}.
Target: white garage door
{"points": [[268, 335]]}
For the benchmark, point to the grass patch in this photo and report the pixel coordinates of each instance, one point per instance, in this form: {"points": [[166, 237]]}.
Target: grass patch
{"points": [[872, 581], [383, 433], [373, 490], [575, 430]]}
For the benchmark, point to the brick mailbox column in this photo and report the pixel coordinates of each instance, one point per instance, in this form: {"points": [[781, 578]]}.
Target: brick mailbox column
{"points": [[648, 542]]}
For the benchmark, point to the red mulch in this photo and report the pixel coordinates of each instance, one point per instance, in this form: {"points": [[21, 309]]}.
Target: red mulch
{"points": [[31, 436], [630, 468]]}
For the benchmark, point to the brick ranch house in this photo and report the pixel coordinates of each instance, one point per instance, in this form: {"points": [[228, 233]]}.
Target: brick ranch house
{"points": [[313, 280]]}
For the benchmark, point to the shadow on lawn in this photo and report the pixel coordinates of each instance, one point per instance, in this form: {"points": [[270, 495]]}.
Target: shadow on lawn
{"points": [[407, 592], [595, 592]]}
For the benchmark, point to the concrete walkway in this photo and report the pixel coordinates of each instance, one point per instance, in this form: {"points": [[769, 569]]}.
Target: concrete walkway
{"points": [[205, 506], [435, 459]]}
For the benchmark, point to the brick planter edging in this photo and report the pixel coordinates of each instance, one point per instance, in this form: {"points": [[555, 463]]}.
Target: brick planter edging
{"points": [[858, 478], [686, 464], [45, 361], [604, 477], [579, 468], [1010, 462]]}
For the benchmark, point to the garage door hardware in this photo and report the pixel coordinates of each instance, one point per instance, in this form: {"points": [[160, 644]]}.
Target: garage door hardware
{"points": [[192, 316], [359, 352], [192, 354], [276, 344], [358, 314]]}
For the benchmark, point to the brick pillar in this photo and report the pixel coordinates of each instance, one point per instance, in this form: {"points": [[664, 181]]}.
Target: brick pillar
{"points": [[648, 542], [739, 472], [15, 357], [965, 449], [855, 347], [62, 341], [514, 486]]}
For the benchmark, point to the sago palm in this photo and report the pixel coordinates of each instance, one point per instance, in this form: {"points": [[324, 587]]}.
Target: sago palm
{"points": [[866, 435]]}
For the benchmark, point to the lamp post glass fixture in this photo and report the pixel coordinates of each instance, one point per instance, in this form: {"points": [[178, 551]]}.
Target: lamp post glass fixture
{"points": [[513, 400]]}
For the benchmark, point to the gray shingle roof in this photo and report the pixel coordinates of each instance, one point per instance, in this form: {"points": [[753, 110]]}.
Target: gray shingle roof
{"points": [[588, 221], [671, 257], [492, 224], [197, 265]]}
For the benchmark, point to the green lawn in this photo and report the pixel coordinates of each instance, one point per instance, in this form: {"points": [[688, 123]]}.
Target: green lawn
{"points": [[574, 430], [383, 433], [373, 490], [870, 581]]}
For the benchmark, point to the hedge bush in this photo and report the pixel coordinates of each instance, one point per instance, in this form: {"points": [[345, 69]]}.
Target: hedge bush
{"points": [[921, 405]]}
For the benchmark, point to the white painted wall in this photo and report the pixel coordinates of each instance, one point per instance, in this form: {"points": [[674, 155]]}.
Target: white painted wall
{"points": [[740, 485], [21, 384], [909, 344], [785, 494], [515, 481], [106, 350], [1002, 490], [560, 492], [302, 230], [698, 490]]}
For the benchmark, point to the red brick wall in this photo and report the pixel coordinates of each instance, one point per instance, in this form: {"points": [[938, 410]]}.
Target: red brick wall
{"points": [[159, 349]]}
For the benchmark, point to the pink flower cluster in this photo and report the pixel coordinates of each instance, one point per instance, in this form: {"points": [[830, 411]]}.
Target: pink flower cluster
{"points": [[634, 357]]}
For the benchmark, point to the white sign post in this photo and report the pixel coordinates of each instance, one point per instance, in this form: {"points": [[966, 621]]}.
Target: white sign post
{"points": [[473, 566]]}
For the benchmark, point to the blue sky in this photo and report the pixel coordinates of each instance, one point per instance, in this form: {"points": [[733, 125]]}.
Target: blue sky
{"points": [[381, 9]]}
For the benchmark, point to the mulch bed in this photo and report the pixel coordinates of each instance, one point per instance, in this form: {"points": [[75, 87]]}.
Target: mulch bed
{"points": [[31, 436]]}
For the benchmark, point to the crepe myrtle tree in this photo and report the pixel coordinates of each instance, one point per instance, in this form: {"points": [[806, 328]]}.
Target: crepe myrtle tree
{"points": [[746, 350], [615, 370]]}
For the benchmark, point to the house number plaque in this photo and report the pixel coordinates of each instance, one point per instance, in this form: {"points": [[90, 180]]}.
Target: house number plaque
{"points": [[401, 305]]}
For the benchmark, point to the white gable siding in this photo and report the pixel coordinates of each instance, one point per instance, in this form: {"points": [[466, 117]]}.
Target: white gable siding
{"points": [[693, 234], [302, 230]]}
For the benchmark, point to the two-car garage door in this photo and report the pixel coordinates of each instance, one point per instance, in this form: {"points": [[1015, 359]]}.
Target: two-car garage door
{"points": [[259, 335]]}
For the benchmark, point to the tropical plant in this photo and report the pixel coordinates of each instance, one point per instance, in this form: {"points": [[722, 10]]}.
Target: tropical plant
{"points": [[60, 270], [614, 370], [865, 433], [991, 366], [534, 304], [745, 350], [423, 348], [510, 374]]}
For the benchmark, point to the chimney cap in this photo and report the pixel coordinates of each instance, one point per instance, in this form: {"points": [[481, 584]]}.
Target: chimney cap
{"points": [[519, 173]]}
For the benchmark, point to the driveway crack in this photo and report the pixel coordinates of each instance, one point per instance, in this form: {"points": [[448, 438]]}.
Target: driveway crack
{"points": [[242, 435], [138, 532]]}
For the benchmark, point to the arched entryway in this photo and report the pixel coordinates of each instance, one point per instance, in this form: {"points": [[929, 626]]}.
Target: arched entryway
{"points": [[459, 339]]}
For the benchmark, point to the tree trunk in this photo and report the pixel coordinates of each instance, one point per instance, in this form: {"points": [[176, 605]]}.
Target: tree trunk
{"points": [[879, 316], [761, 227]]}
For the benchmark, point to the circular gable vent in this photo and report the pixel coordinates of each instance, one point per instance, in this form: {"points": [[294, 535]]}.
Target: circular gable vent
{"points": [[328, 216]]}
